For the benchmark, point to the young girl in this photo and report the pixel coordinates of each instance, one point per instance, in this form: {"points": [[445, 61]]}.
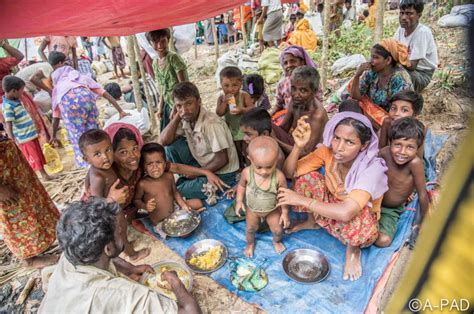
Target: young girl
{"points": [[156, 191], [232, 103], [255, 86], [259, 186]]}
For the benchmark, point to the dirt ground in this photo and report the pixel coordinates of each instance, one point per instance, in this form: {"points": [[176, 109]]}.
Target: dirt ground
{"points": [[446, 111]]}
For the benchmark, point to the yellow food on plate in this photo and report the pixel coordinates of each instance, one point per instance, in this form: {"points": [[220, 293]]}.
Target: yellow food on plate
{"points": [[207, 260], [155, 282]]}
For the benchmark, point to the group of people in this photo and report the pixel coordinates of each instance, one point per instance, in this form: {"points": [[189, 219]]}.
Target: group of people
{"points": [[351, 174]]}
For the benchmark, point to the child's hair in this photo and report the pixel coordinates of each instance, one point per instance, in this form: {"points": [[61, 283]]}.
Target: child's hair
{"points": [[320, 7], [308, 74], [155, 36], [184, 90], [415, 4], [114, 90], [11, 82], [123, 134], [363, 132], [381, 51], [407, 128], [412, 97], [56, 57], [254, 85], [258, 119], [348, 1], [152, 148], [292, 16], [350, 105], [365, 13], [230, 72], [92, 137]]}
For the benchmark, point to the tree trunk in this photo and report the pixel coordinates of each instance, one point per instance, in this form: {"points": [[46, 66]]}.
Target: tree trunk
{"points": [[133, 68], [149, 99], [379, 13], [214, 35], [324, 57]]}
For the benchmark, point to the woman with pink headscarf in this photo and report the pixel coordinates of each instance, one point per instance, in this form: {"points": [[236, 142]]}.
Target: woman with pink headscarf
{"points": [[345, 200]]}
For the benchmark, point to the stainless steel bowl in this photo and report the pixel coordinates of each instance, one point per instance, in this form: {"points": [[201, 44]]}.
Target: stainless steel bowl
{"points": [[172, 265], [201, 247], [306, 266], [182, 216]]}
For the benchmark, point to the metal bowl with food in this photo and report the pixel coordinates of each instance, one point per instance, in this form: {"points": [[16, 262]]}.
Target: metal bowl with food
{"points": [[306, 266], [206, 256], [181, 223], [154, 281]]}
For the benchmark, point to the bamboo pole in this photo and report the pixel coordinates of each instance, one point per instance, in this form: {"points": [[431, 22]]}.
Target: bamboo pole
{"points": [[324, 57], [214, 35], [242, 26], [149, 100], [195, 48], [133, 68], [379, 16]]}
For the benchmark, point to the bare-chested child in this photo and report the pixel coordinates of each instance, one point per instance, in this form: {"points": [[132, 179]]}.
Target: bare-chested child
{"points": [[257, 193], [156, 191], [304, 85], [403, 104], [101, 180], [405, 172]]}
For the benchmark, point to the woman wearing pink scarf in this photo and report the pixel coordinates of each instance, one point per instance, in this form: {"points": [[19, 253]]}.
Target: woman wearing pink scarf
{"points": [[346, 200], [74, 100], [290, 58]]}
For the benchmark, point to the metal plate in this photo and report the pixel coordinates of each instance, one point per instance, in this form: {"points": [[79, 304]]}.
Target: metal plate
{"points": [[181, 223], [201, 247], [306, 266], [172, 265]]}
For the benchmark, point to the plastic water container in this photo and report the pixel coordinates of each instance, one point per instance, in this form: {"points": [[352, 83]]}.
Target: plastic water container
{"points": [[64, 139], [53, 161]]}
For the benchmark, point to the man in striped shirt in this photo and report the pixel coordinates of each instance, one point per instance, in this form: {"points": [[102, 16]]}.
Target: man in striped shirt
{"points": [[20, 126]]}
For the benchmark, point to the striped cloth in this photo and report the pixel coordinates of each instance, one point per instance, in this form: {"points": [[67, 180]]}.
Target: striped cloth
{"points": [[23, 127]]}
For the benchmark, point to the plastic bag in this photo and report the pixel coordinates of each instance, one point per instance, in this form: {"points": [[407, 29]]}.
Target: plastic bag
{"points": [[139, 119], [347, 63], [228, 59], [316, 23], [269, 65], [43, 101], [184, 36], [460, 16]]}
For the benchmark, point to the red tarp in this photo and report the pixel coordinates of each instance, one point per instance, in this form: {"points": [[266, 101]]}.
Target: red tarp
{"points": [[30, 18]]}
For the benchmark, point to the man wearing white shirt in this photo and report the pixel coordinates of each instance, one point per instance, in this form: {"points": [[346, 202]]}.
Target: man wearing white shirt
{"points": [[273, 15], [423, 54]]}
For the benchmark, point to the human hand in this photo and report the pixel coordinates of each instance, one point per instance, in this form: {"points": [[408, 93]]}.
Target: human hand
{"points": [[118, 195], [150, 205], [3, 42], [159, 114], [171, 277], [8, 196], [214, 180], [239, 207], [136, 272], [289, 197], [54, 142], [123, 114], [362, 68], [230, 193], [302, 132], [415, 230], [284, 220]]}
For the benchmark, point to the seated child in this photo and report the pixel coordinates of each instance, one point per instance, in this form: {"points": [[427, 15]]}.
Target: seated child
{"points": [[405, 172], [406, 103], [255, 86], [116, 92], [257, 193], [156, 191], [102, 181], [232, 103], [20, 126], [350, 105]]}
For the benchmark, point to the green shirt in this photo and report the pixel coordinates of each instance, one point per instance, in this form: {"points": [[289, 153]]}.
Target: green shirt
{"points": [[167, 77]]}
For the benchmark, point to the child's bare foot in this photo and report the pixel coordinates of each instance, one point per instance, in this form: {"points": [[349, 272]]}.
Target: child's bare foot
{"points": [[279, 247], [138, 255], [41, 261], [352, 268], [249, 250], [305, 225]]}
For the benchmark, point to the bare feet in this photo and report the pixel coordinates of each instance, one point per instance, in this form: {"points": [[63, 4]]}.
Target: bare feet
{"points": [[309, 224], [41, 261], [138, 255], [279, 247], [249, 250], [352, 268]]}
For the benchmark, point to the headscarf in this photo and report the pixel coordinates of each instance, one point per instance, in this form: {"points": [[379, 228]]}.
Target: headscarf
{"points": [[112, 129], [298, 52], [66, 78], [303, 36], [398, 50], [367, 172]]}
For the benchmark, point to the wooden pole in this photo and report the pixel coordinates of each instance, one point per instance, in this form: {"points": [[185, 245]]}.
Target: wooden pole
{"points": [[242, 26], [195, 48], [324, 57], [133, 68], [379, 16], [214, 35], [149, 99]]}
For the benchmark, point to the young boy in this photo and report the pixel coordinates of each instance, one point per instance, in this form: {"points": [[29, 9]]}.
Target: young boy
{"points": [[403, 104], [102, 181], [118, 57], [20, 126], [232, 103], [157, 192], [257, 193], [405, 172]]}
